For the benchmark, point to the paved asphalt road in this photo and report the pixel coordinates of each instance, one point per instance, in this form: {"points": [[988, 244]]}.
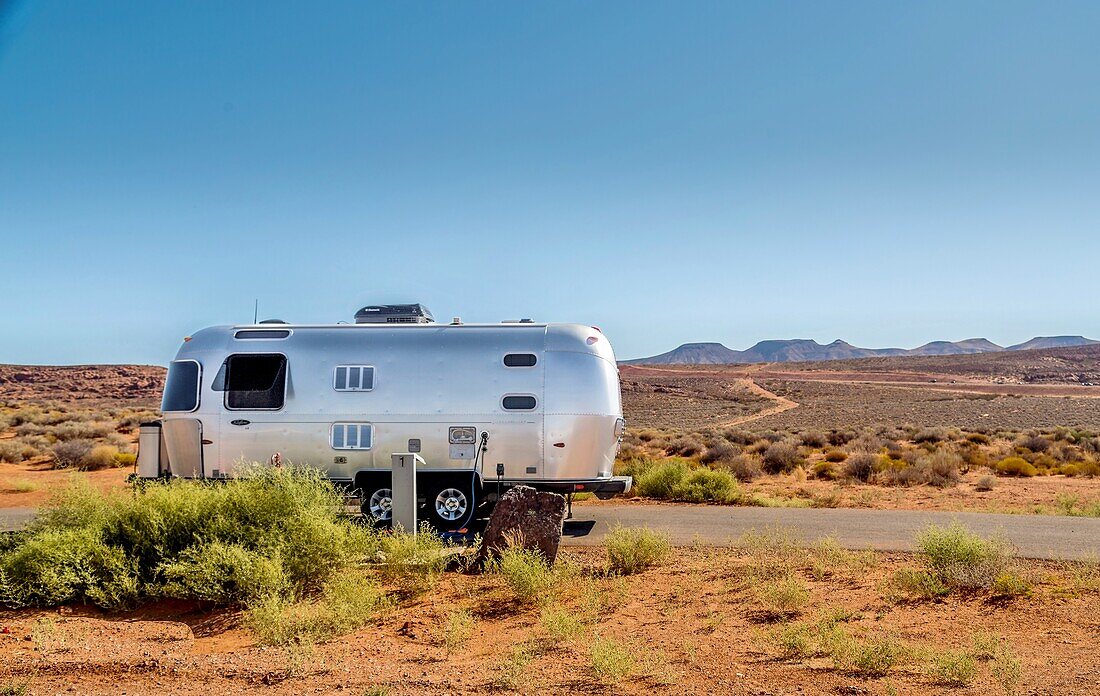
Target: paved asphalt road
{"points": [[1034, 536]]}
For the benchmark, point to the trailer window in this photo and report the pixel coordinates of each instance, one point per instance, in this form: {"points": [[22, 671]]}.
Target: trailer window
{"points": [[262, 334], [520, 360], [353, 378], [519, 402], [255, 382], [354, 436], [181, 390]]}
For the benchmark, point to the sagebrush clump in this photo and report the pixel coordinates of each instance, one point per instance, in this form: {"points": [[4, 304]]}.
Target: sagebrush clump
{"points": [[277, 532]]}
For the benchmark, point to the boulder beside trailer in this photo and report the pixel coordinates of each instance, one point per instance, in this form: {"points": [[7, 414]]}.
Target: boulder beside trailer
{"points": [[487, 406]]}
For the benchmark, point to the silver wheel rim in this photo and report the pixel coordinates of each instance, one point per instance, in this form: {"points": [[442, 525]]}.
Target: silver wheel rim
{"points": [[450, 504], [381, 504]]}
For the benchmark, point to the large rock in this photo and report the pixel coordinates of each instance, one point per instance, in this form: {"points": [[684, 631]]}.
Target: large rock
{"points": [[527, 518]]}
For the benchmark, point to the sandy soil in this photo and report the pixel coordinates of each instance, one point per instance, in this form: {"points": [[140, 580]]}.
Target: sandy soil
{"points": [[692, 625]]}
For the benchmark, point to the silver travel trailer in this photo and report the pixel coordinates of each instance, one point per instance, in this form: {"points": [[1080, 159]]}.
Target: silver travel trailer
{"points": [[487, 406]]}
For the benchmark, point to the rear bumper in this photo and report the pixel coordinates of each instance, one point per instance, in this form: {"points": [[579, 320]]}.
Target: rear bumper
{"points": [[602, 488]]}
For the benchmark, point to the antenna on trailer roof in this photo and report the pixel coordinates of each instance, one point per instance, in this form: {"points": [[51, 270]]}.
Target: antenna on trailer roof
{"points": [[256, 312]]}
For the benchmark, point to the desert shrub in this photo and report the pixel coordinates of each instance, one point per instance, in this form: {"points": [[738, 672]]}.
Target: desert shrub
{"points": [[931, 435], [525, 572], [223, 573], [918, 584], [454, 629], [675, 480], [170, 539], [1009, 584], [611, 660], [943, 468], [978, 438], [55, 566], [794, 640], [1015, 466], [739, 437], [560, 624], [865, 443], [100, 457], [686, 446], [836, 455], [412, 562], [346, 602], [872, 657], [720, 451], [961, 559], [985, 483], [633, 549], [707, 486], [657, 479], [71, 453], [826, 470], [744, 467], [125, 459], [782, 598], [953, 668], [813, 438], [860, 466], [1035, 443], [11, 451], [781, 457]]}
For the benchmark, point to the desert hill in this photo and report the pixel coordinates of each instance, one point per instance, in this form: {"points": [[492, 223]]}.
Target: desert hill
{"points": [[807, 350]]}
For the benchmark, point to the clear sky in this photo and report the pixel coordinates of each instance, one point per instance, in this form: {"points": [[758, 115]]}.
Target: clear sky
{"points": [[887, 173]]}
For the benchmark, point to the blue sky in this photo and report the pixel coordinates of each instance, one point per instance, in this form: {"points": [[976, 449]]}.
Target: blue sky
{"points": [[886, 173]]}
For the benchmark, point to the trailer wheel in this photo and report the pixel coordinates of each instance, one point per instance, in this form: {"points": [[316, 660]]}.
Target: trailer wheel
{"points": [[448, 506], [378, 506]]}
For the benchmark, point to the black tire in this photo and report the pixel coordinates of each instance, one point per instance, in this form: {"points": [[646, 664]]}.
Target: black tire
{"points": [[448, 503], [377, 504]]}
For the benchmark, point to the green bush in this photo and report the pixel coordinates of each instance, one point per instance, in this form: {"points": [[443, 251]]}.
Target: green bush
{"points": [[347, 601], [1015, 466], [278, 531], [952, 668], [674, 479], [526, 573], [413, 562], [611, 660], [633, 549], [961, 559]]}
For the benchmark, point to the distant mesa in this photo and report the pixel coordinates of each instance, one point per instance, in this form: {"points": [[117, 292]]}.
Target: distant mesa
{"points": [[808, 350]]}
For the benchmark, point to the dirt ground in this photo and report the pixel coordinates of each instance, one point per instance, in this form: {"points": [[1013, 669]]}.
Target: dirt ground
{"points": [[692, 625]]}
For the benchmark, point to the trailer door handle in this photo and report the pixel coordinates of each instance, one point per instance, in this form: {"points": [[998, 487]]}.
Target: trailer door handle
{"points": [[239, 421]]}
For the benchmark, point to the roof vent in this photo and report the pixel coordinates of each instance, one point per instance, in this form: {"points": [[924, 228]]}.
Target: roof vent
{"points": [[394, 314], [273, 321]]}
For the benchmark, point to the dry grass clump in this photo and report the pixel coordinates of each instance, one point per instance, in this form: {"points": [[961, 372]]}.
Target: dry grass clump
{"points": [[720, 452], [956, 559], [346, 602], [454, 629], [414, 563], [526, 573], [611, 661], [633, 549]]}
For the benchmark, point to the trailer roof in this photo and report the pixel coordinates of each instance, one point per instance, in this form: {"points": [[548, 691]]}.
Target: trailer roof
{"points": [[395, 325]]}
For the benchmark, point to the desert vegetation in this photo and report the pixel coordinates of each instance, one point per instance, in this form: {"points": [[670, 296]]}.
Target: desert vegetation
{"points": [[68, 436], [366, 610], [714, 465]]}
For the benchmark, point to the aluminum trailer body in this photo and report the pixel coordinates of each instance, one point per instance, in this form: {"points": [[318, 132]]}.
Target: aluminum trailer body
{"points": [[486, 406]]}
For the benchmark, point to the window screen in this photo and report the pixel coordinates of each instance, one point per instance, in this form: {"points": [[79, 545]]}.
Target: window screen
{"points": [[353, 378], [520, 360], [521, 402], [255, 382], [181, 391], [352, 436]]}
